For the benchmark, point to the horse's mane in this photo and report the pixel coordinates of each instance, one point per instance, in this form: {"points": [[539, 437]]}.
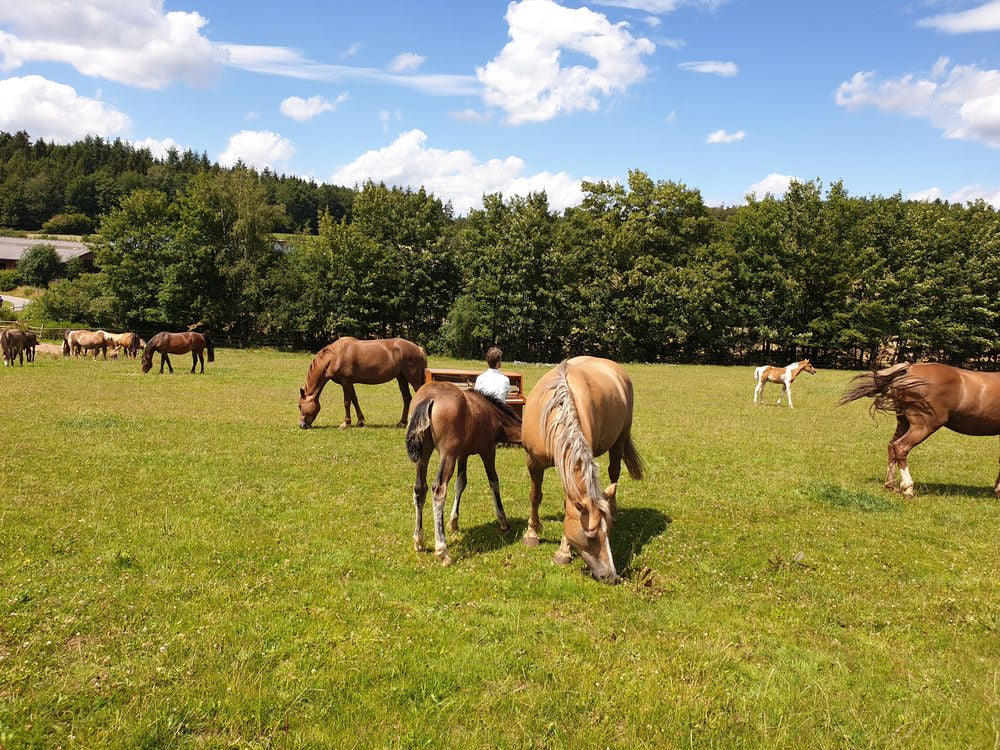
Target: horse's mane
{"points": [[508, 417], [565, 441]]}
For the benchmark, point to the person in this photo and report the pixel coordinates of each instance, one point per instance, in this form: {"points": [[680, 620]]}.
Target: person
{"points": [[493, 382]]}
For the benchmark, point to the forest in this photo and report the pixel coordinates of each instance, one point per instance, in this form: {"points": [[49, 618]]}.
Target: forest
{"points": [[640, 271]]}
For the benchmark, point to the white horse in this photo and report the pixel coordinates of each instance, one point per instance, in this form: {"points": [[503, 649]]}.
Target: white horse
{"points": [[784, 375]]}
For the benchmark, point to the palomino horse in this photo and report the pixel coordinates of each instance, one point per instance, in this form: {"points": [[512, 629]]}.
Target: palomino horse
{"points": [[177, 343], [12, 345], [784, 375], [348, 361], [459, 423], [127, 342], [78, 342], [579, 410], [925, 398]]}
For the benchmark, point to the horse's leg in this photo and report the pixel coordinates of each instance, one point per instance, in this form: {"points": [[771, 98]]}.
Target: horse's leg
{"points": [[348, 387], [201, 358], [615, 468], [169, 366], [404, 388], [163, 361], [788, 394], [440, 490], [902, 425], [563, 555], [461, 479], [996, 487], [534, 525], [419, 496], [489, 463], [917, 434], [357, 406], [759, 389], [194, 360]]}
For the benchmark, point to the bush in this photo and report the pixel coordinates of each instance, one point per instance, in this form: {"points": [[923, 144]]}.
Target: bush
{"points": [[9, 280], [39, 265], [69, 224], [74, 267], [86, 299]]}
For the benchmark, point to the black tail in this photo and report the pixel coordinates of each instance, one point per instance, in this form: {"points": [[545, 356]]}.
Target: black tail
{"points": [[211, 349], [420, 423]]}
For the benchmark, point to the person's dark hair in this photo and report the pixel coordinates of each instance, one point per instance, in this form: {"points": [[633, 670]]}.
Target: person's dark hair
{"points": [[493, 356]]}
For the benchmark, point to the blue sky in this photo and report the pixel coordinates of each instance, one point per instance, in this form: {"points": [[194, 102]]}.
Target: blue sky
{"points": [[464, 97]]}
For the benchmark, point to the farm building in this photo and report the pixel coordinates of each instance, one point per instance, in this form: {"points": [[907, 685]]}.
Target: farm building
{"points": [[12, 248]]}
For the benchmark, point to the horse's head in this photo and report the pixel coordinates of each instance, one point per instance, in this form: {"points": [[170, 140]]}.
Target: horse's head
{"points": [[807, 366], [308, 409], [587, 526], [147, 360]]}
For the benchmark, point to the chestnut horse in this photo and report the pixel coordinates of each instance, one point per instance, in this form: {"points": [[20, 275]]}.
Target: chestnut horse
{"points": [[348, 361], [30, 342], [784, 375], [579, 410], [925, 398], [12, 345], [459, 423], [177, 343], [79, 342], [128, 342]]}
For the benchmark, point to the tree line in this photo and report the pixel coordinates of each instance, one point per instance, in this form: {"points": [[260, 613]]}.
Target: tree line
{"points": [[638, 271]]}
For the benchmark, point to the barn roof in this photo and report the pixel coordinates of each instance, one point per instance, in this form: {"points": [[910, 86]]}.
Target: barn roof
{"points": [[12, 248]]}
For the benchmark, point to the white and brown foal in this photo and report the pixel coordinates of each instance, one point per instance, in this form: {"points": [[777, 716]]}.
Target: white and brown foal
{"points": [[783, 375]]}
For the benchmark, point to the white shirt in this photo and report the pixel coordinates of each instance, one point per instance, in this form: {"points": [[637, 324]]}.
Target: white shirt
{"points": [[493, 383]]}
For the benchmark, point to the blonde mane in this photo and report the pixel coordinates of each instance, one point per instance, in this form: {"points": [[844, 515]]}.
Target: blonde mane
{"points": [[566, 443]]}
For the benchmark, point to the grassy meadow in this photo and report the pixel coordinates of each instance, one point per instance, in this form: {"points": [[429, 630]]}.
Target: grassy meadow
{"points": [[181, 566]]}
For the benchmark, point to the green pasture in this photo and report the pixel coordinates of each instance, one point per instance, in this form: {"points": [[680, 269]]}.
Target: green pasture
{"points": [[181, 566]]}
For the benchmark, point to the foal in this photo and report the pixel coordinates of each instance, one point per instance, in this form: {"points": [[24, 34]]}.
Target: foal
{"points": [[785, 375], [459, 423]]}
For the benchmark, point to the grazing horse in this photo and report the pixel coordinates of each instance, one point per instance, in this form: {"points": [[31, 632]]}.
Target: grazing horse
{"points": [[78, 342], [12, 345], [579, 410], [459, 423], [784, 375], [128, 342], [348, 361], [926, 397], [167, 343], [30, 342]]}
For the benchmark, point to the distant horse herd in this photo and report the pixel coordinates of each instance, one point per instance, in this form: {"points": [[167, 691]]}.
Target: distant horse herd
{"points": [[578, 411]]}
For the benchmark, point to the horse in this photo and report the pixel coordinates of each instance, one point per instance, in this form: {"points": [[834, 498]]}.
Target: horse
{"points": [[459, 423], [12, 345], [579, 410], [128, 342], [784, 375], [30, 342], [167, 343], [77, 342], [926, 397], [348, 361]]}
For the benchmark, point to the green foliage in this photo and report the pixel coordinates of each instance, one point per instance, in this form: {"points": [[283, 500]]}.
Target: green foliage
{"points": [[78, 223], [86, 299], [9, 279], [39, 265]]}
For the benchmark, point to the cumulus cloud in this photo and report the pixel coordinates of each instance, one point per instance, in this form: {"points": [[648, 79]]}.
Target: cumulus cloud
{"points": [[721, 136], [966, 194], [300, 109], [713, 67], [776, 184], [128, 41], [406, 61], [158, 148], [961, 100], [55, 111], [257, 148], [528, 80], [457, 176], [985, 17]]}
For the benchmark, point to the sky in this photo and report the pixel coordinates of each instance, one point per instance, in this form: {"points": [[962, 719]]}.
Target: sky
{"points": [[470, 97]]}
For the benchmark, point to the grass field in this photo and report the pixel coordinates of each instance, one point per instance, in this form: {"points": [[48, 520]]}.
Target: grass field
{"points": [[181, 566]]}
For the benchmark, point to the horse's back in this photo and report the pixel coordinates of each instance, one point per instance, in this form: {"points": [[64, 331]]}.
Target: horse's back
{"points": [[968, 401]]}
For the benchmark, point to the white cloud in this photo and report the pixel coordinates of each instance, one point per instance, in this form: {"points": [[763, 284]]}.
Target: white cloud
{"points": [[671, 119], [721, 136], [350, 51], [457, 176], [128, 41], [470, 115], [158, 148], [776, 184], [714, 67], [406, 61], [252, 115], [961, 100], [652, 21], [659, 6], [528, 81], [671, 43], [257, 148], [285, 61], [966, 194], [985, 17], [300, 109], [55, 111]]}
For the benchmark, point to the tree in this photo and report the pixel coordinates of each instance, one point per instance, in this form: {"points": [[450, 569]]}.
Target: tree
{"points": [[39, 265]]}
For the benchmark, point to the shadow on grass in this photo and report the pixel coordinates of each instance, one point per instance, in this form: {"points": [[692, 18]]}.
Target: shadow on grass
{"points": [[955, 489], [487, 537], [634, 527]]}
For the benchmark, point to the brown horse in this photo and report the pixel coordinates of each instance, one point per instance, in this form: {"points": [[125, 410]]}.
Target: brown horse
{"points": [[459, 423], [12, 345], [78, 342], [348, 361], [579, 410], [128, 342], [783, 375], [30, 342], [177, 343], [925, 398]]}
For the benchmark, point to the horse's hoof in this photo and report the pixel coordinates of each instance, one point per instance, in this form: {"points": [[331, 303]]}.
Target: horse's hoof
{"points": [[908, 493], [361, 423], [562, 558], [401, 423], [504, 528], [531, 541], [454, 523], [445, 558], [345, 425], [418, 544], [890, 486]]}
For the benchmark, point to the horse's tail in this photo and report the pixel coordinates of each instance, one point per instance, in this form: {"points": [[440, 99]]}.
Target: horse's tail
{"points": [[892, 389], [633, 461], [420, 423], [66, 349], [211, 349], [758, 371]]}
